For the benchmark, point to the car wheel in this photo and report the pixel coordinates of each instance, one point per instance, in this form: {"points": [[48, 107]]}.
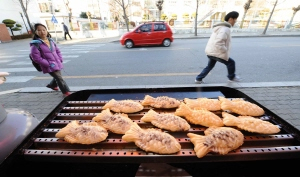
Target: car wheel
{"points": [[128, 44], [166, 42]]}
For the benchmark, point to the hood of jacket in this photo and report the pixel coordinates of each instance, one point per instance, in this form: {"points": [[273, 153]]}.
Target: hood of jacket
{"points": [[217, 26], [39, 41]]}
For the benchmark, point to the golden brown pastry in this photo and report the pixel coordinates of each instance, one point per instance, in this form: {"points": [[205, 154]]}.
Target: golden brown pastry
{"points": [[160, 102], [217, 139], [199, 117], [203, 103], [86, 133], [153, 140], [123, 106], [250, 124], [167, 121], [241, 107], [117, 123]]}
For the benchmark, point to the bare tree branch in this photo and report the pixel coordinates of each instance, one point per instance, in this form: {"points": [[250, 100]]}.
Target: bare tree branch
{"points": [[24, 5]]}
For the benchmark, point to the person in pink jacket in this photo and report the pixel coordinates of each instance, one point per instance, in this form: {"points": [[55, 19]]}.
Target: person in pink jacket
{"points": [[44, 51], [218, 49]]}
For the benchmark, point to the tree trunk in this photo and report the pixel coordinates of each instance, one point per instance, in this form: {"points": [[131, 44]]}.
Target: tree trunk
{"points": [[26, 15], [70, 20], [242, 22], [291, 21], [11, 31], [265, 30], [159, 14], [125, 16], [196, 30]]}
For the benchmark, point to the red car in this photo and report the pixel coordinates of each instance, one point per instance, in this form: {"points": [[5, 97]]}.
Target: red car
{"points": [[149, 33]]}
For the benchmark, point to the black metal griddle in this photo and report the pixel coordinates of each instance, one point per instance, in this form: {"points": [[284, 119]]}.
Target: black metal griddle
{"points": [[119, 157]]}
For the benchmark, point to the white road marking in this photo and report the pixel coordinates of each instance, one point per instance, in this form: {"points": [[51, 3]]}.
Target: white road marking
{"points": [[5, 61], [77, 49], [29, 62], [70, 56], [18, 69], [21, 63], [12, 56], [11, 79], [63, 52]]}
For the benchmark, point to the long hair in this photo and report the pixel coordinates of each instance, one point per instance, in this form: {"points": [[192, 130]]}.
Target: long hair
{"points": [[35, 36]]}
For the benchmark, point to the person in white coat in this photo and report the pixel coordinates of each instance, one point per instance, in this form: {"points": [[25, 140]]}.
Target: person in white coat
{"points": [[218, 48]]}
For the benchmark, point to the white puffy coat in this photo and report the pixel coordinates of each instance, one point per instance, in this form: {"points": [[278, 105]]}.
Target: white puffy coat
{"points": [[219, 42]]}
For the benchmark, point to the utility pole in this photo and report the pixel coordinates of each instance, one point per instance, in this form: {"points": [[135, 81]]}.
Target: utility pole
{"points": [[55, 21]]}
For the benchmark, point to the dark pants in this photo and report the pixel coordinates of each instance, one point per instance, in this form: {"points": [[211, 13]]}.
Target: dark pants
{"points": [[58, 81], [230, 64], [67, 33]]}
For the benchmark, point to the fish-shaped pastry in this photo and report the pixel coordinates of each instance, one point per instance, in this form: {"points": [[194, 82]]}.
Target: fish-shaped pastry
{"points": [[241, 107], [151, 139], [86, 133], [160, 102], [199, 116], [203, 103], [250, 124], [123, 106], [167, 121], [117, 123], [220, 140]]}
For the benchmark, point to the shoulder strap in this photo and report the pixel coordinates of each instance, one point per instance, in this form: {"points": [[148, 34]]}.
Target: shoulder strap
{"points": [[50, 39], [37, 45]]}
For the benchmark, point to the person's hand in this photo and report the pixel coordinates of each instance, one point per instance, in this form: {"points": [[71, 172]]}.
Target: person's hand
{"points": [[2, 77]]}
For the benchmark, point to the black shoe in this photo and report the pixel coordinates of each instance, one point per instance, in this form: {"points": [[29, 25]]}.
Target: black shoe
{"points": [[53, 88]]}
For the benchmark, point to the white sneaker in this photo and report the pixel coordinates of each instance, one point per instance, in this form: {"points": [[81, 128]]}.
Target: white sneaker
{"points": [[199, 82], [236, 79]]}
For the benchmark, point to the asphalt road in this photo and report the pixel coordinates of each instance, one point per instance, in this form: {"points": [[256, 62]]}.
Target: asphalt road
{"points": [[271, 59]]}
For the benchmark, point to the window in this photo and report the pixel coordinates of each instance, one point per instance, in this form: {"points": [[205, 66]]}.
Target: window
{"points": [[44, 7], [160, 27], [145, 28]]}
